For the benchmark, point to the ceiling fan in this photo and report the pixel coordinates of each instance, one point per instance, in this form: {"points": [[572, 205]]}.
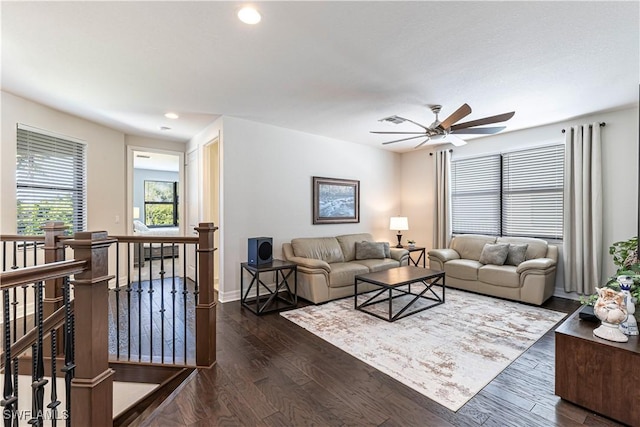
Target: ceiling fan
{"points": [[447, 128]]}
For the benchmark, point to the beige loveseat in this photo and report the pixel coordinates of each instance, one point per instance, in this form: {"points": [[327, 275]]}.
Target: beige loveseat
{"points": [[327, 265], [529, 279]]}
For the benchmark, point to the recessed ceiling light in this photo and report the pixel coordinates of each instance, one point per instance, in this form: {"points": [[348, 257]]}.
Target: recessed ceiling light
{"points": [[171, 116], [165, 128], [249, 15]]}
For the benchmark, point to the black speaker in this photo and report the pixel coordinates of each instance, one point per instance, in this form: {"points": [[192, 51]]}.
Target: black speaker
{"points": [[260, 250]]}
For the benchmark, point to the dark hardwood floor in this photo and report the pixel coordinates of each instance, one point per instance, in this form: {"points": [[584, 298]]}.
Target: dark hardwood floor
{"points": [[270, 372]]}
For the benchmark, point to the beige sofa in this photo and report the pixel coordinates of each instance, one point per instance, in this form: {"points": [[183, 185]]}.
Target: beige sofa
{"points": [[531, 281], [327, 265]]}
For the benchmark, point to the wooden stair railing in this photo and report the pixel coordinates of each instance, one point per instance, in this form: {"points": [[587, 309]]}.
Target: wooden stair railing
{"points": [[88, 378], [91, 388]]}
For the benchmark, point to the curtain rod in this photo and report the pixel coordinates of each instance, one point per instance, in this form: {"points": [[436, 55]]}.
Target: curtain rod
{"points": [[602, 124], [450, 150]]}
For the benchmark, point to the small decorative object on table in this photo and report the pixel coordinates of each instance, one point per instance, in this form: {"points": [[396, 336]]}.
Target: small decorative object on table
{"points": [[412, 243], [611, 310], [630, 325]]}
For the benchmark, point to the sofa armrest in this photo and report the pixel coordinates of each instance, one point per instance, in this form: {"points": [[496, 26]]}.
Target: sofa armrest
{"points": [[398, 253], [536, 264], [444, 255], [310, 263]]}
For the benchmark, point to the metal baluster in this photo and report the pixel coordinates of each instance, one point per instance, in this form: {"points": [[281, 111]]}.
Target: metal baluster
{"points": [[15, 256], [117, 291], [195, 263], [15, 386], [69, 366], [150, 291], [185, 294], [139, 291], [39, 381], [53, 406], [35, 254], [24, 308], [129, 300], [173, 302], [34, 399], [162, 273], [4, 256], [24, 253], [10, 400], [14, 305]]}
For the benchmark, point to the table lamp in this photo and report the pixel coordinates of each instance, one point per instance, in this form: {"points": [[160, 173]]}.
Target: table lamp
{"points": [[399, 223]]}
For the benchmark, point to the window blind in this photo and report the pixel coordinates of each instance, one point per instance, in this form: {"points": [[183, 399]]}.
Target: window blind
{"points": [[532, 192], [50, 181], [475, 195]]}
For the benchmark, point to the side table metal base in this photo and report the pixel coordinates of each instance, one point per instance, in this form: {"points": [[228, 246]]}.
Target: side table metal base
{"points": [[260, 298]]}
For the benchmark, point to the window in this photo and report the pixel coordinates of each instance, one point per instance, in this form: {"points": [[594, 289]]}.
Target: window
{"points": [[475, 199], [161, 203], [512, 194], [50, 181]]}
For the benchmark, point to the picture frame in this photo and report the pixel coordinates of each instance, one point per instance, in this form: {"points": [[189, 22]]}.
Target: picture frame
{"points": [[335, 201]]}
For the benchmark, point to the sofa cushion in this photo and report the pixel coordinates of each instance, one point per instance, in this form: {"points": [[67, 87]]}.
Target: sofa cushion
{"points": [[387, 249], [517, 254], [469, 246], [379, 264], [499, 275], [348, 244], [494, 253], [537, 248], [324, 248], [343, 273], [369, 250], [465, 269]]}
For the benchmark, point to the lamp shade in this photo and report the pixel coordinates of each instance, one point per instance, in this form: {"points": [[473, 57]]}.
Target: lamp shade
{"points": [[398, 223]]}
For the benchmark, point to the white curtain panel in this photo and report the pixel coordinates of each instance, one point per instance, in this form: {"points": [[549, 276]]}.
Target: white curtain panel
{"points": [[582, 222], [442, 205]]}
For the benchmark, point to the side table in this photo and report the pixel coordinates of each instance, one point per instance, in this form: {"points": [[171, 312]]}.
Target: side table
{"points": [[599, 375], [268, 300], [422, 257]]}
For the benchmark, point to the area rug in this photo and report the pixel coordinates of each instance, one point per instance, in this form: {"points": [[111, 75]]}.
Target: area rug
{"points": [[447, 353]]}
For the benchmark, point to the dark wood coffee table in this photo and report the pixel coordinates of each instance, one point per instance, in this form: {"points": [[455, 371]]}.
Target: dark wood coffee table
{"points": [[397, 283]]}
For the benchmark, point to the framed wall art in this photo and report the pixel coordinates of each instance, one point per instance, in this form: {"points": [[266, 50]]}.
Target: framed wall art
{"points": [[335, 201]]}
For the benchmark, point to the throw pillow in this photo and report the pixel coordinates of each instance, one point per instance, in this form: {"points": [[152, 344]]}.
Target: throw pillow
{"points": [[387, 249], [516, 254], [494, 253], [369, 250]]}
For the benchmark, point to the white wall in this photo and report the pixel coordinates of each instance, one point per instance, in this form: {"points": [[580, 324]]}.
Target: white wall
{"points": [[267, 188], [619, 164], [106, 173]]}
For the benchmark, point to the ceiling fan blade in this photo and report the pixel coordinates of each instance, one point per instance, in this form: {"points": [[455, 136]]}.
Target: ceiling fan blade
{"points": [[399, 133], [422, 143], [461, 112], [403, 139], [485, 121], [480, 131], [455, 140]]}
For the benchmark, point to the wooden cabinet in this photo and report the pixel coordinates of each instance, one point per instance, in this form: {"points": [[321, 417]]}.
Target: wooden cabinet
{"points": [[599, 375]]}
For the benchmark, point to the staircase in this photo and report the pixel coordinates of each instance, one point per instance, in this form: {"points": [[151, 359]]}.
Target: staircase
{"points": [[79, 331]]}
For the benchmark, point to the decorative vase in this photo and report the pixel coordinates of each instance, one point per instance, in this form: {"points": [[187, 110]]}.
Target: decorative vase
{"points": [[629, 326], [611, 311]]}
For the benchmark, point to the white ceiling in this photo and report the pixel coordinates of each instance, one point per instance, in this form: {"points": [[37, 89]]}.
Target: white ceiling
{"points": [[326, 68]]}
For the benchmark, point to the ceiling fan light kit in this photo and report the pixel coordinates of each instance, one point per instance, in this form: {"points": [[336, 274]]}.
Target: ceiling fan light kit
{"points": [[447, 129]]}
